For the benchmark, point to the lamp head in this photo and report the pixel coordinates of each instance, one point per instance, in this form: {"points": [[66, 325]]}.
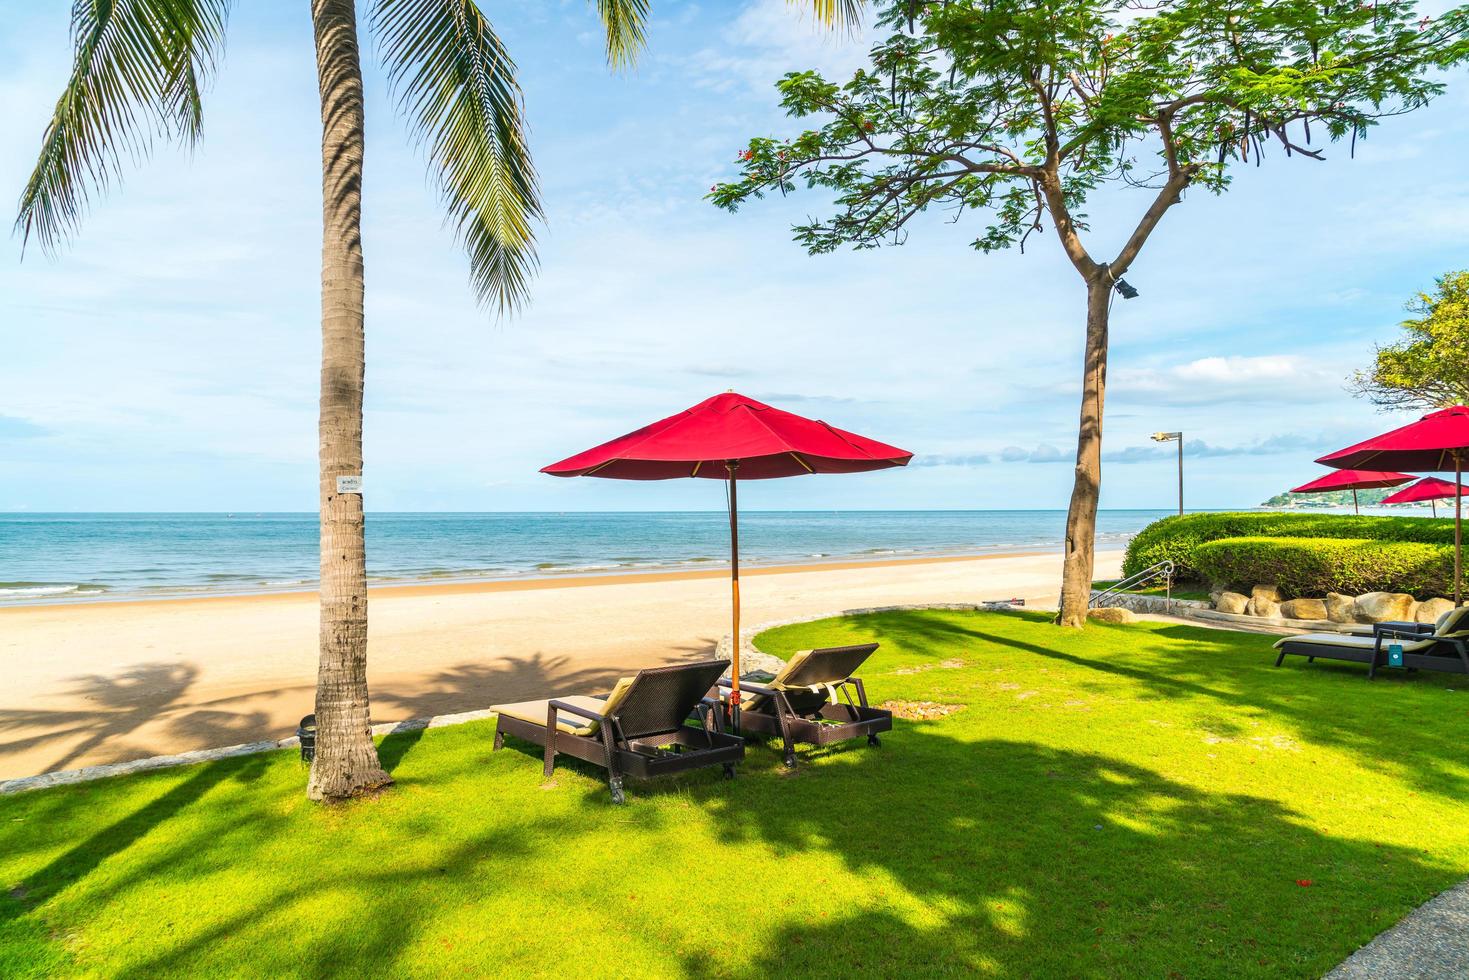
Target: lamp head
{"points": [[1125, 289], [1166, 436]]}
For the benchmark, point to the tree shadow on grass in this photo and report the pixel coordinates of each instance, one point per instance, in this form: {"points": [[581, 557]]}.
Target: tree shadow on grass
{"points": [[1379, 722], [969, 855], [1012, 858]]}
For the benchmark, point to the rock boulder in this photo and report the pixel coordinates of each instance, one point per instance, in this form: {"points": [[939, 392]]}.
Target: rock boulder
{"points": [[1303, 609], [1430, 609], [1341, 608], [1263, 608], [1265, 593], [1231, 602], [1111, 614], [1381, 607]]}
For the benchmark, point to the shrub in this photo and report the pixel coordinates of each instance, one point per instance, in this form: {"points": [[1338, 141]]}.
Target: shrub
{"points": [[1176, 538], [1316, 566]]}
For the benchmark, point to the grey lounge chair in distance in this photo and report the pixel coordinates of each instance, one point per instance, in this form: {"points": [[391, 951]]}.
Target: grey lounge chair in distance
{"points": [[814, 699], [638, 730]]}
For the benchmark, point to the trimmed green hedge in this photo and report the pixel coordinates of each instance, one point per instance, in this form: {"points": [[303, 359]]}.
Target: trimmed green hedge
{"points": [[1177, 538], [1316, 566]]}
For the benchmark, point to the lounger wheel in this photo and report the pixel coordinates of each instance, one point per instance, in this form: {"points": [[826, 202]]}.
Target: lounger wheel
{"points": [[790, 760], [873, 740], [729, 770], [615, 784]]}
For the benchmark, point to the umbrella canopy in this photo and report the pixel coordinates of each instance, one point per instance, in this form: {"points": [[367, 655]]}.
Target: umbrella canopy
{"points": [[1436, 443], [697, 442], [1433, 444], [1354, 480], [1428, 488], [733, 438]]}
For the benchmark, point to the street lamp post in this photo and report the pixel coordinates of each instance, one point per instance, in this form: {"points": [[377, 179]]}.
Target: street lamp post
{"points": [[1178, 438]]}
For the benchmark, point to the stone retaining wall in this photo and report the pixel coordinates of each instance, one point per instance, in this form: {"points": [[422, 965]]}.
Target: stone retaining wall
{"points": [[1157, 604]]}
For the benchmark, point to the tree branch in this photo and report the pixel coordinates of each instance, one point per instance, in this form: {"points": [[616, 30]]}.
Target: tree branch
{"points": [[1167, 197]]}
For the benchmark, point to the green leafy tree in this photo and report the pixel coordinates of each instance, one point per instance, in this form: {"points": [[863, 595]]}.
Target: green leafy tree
{"points": [[1020, 110], [1429, 368], [138, 72]]}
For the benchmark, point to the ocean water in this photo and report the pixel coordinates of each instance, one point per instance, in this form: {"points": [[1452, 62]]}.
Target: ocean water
{"points": [[71, 557]]}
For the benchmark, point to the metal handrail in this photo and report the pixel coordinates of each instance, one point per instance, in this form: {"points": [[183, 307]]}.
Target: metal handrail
{"points": [[1162, 569]]}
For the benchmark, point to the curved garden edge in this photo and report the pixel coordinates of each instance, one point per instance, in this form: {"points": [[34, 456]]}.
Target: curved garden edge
{"points": [[755, 660], [752, 658]]}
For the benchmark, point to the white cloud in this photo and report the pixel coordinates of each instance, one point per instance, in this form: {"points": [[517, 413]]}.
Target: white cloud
{"points": [[1216, 379]]}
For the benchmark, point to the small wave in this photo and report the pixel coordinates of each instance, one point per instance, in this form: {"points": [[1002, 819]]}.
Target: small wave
{"points": [[288, 581], [34, 590]]}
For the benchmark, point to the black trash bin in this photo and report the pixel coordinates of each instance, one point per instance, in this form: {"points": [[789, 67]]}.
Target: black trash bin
{"points": [[306, 732]]}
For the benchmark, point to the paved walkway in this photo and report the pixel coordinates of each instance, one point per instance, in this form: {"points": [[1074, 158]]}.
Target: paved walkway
{"points": [[1431, 943]]}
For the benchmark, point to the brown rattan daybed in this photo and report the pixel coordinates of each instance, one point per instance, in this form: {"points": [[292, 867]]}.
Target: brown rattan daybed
{"points": [[1442, 647], [814, 699], [638, 730]]}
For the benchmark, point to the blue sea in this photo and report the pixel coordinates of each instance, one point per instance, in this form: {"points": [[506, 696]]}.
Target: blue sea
{"points": [[73, 557]]}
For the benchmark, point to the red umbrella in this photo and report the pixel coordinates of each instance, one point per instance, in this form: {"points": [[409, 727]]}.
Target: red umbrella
{"points": [[1430, 488], [1354, 480], [722, 438], [1436, 443]]}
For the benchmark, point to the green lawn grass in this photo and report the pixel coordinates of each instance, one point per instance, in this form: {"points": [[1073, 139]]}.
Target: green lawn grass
{"points": [[1129, 801]]}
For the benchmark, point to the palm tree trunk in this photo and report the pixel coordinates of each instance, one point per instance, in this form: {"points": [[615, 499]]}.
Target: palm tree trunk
{"points": [[346, 761], [1081, 520]]}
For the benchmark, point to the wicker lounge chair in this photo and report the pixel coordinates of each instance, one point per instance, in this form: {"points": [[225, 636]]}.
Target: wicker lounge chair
{"points": [[638, 730], [814, 699], [1444, 648]]}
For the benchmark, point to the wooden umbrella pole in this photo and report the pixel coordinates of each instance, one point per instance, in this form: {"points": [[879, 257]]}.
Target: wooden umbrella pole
{"points": [[734, 583], [1355, 509]]}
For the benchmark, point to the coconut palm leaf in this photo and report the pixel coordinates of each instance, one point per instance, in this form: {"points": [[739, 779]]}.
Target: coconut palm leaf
{"points": [[845, 14], [456, 85], [625, 23], [139, 68]]}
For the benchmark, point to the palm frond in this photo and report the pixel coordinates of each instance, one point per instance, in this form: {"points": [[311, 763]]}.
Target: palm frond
{"points": [[138, 71], [845, 14], [625, 23], [456, 85]]}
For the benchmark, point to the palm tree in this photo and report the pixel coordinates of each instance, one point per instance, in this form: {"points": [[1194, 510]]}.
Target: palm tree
{"points": [[139, 69]]}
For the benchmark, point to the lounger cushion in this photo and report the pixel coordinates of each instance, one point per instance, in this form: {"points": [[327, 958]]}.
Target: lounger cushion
{"points": [[1452, 621], [791, 666], [535, 711], [1348, 640]]}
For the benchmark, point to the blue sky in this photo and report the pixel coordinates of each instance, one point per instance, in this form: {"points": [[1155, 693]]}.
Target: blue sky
{"points": [[168, 359]]}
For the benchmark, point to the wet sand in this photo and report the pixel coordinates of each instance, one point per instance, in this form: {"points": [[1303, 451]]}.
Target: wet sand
{"points": [[95, 682]]}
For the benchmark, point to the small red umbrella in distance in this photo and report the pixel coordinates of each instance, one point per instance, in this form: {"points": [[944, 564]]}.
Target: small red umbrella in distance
{"points": [[1354, 480], [730, 437], [1430, 488], [1436, 443]]}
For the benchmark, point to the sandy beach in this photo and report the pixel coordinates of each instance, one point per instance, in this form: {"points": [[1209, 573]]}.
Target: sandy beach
{"points": [[90, 683]]}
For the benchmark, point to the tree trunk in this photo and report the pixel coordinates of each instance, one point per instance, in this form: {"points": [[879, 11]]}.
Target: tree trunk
{"points": [[1081, 519], [346, 761]]}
